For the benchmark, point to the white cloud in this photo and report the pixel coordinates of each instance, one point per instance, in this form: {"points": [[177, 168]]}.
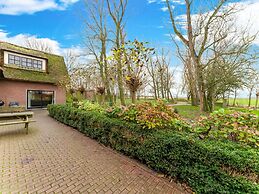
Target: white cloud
{"points": [[160, 27], [20, 39], [18, 7], [70, 36], [181, 2], [68, 1], [151, 1], [248, 16], [164, 9], [82, 55]]}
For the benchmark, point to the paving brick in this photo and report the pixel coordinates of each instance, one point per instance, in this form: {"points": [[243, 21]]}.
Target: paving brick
{"points": [[54, 158]]}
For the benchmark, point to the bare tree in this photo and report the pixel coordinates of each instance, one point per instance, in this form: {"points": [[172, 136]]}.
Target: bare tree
{"points": [[212, 42], [97, 39], [117, 11], [252, 83], [71, 59], [151, 69], [161, 75], [38, 44]]}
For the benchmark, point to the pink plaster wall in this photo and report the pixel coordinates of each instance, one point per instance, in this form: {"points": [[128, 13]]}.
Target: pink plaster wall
{"points": [[11, 91]]}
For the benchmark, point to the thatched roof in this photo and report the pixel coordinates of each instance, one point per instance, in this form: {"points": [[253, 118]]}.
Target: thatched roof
{"points": [[56, 68]]}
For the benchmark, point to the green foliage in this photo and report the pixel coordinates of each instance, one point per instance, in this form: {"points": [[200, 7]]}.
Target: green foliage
{"points": [[147, 115], [201, 163], [243, 101], [89, 106], [208, 166], [236, 126], [245, 110], [69, 98]]}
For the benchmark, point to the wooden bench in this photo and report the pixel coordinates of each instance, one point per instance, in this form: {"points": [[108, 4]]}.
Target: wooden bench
{"points": [[16, 118]]}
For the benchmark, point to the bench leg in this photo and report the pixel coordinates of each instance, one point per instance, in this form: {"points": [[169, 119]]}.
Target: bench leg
{"points": [[26, 127]]}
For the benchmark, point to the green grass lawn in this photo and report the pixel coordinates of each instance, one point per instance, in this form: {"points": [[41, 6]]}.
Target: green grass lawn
{"points": [[193, 112], [188, 111], [242, 101], [239, 101]]}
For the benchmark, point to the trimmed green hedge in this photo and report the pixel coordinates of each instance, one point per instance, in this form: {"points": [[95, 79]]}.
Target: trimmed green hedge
{"points": [[207, 166]]}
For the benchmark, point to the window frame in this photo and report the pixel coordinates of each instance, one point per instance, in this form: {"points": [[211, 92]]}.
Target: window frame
{"points": [[25, 62]]}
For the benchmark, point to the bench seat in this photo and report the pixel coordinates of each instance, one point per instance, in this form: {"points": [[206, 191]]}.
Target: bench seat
{"points": [[16, 122], [16, 118]]}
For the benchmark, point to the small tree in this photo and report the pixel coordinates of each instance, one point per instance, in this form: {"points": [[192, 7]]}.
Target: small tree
{"points": [[135, 56]]}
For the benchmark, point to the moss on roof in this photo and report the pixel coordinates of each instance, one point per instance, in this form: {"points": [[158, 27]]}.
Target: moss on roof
{"points": [[56, 68]]}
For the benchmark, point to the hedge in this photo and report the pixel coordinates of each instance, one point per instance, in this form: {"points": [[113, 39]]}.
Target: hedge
{"points": [[208, 166]]}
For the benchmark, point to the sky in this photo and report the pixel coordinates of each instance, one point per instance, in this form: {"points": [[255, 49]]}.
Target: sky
{"points": [[60, 21], [60, 24]]}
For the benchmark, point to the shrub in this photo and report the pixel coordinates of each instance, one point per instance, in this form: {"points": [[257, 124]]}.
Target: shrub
{"points": [[232, 125], [147, 115], [208, 166], [89, 106]]}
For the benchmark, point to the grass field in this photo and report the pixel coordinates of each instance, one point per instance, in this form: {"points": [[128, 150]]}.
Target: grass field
{"points": [[242, 102], [193, 112], [239, 101], [128, 101]]}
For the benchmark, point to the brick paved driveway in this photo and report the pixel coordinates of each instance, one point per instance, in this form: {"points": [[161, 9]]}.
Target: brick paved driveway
{"points": [[54, 158]]}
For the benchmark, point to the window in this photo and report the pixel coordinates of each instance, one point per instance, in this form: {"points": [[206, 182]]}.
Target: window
{"points": [[25, 62], [39, 98], [11, 59]]}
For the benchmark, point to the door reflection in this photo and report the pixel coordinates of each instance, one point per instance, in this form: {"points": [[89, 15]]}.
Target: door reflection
{"points": [[39, 98]]}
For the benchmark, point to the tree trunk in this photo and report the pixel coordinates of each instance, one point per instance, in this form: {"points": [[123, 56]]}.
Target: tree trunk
{"points": [[133, 97], [250, 96], [119, 68], [171, 95], [157, 88], [201, 90], [162, 86], [210, 101], [194, 99], [155, 91], [106, 74], [235, 98], [228, 98], [256, 102], [192, 81]]}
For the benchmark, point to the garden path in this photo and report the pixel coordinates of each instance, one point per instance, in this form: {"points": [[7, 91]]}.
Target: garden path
{"points": [[54, 158]]}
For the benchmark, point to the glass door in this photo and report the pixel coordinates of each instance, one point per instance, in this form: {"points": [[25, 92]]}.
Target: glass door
{"points": [[39, 98]]}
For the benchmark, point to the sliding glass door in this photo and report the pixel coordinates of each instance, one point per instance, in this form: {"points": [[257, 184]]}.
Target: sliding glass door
{"points": [[39, 98]]}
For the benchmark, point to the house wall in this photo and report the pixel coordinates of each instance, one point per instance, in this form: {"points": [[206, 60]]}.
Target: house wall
{"points": [[11, 91]]}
